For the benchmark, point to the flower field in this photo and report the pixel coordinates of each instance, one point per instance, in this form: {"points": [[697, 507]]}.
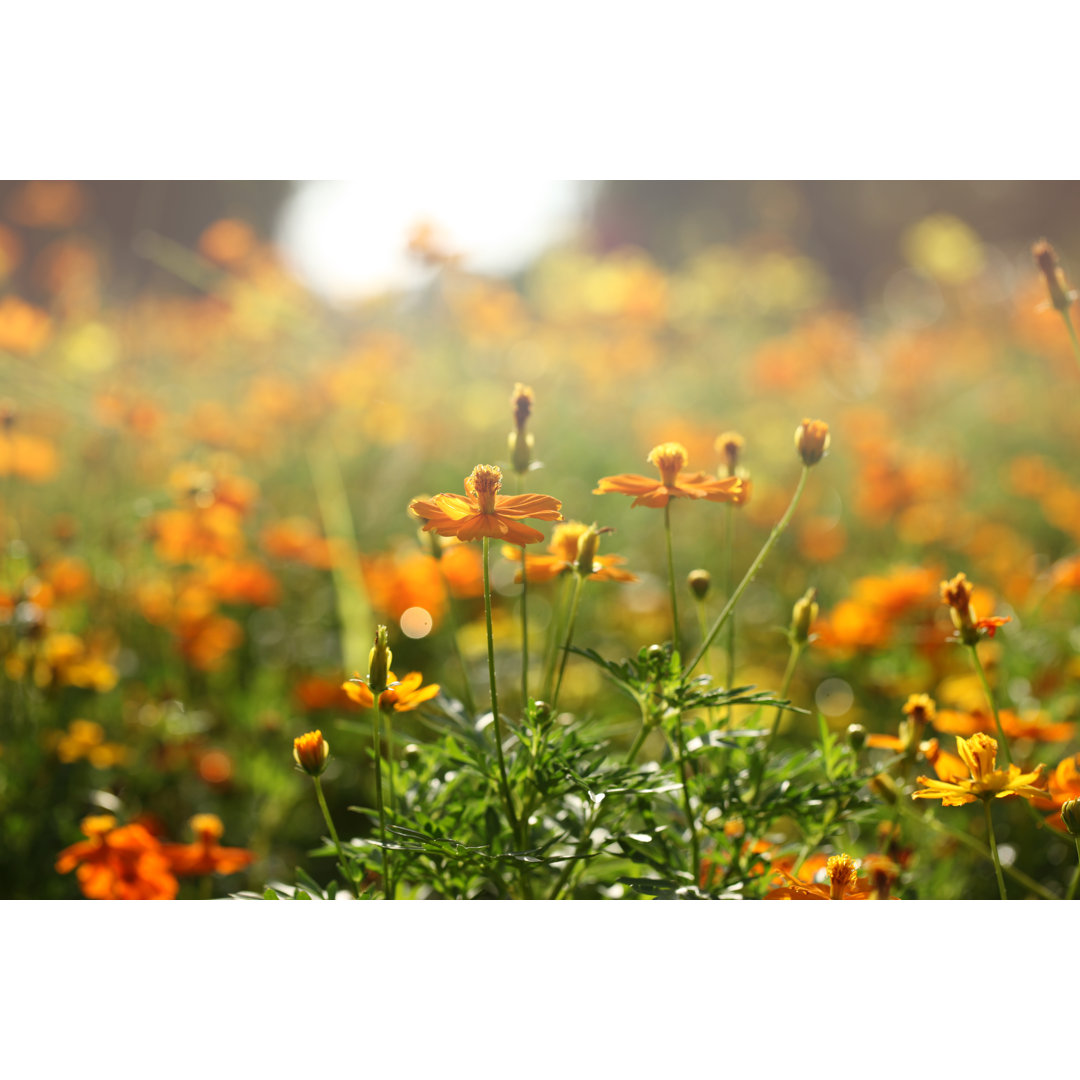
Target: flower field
{"points": [[617, 578]]}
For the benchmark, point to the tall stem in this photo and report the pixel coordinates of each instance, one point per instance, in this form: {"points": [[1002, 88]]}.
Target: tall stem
{"points": [[388, 885], [641, 736], [507, 798], [1067, 317], [990, 700], [1071, 894], [729, 574], [524, 633], [671, 579], [551, 650], [789, 672], [755, 566], [680, 743], [342, 862], [579, 581], [994, 850], [452, 627]]}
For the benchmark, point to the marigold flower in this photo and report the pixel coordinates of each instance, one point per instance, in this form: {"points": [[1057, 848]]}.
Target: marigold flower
{"points": [[979, 754], [669, 459], [118, 864], [812, 440], [310, 751], [565, 555], [484, 512], [401, 695], [205, 855]]}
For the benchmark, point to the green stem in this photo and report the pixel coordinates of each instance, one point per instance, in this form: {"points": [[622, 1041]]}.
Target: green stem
{"points": [[452, 626], [551, 650], [671, 578], [680, 743], [641, 737], [981, 849], [703, 624], [1071, 894], [729, 573], [524, 633], [579, 581], [990, 700], [342, 861], [755, 566], [581, 850], [505, 782], [388, 884], [789, 672], [993, 849], [1072, 334]]}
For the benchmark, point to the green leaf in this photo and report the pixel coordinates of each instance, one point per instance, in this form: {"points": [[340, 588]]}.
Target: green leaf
{"points": [[270, 895]]}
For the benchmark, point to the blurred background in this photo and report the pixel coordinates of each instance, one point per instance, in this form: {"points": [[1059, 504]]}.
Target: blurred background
{"points": [[219, 398]]}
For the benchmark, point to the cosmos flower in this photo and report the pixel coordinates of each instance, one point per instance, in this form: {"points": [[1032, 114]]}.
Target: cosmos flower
{"points": [[979, 754], [670, 458], [482, 511]]}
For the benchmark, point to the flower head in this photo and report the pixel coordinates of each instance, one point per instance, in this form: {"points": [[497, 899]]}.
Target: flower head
{"points": [[311, 751], [979, 755], [843, 884], [669, 459], [401, 695], [572, 547], [957, 593], [812, 440], [484, 512]]}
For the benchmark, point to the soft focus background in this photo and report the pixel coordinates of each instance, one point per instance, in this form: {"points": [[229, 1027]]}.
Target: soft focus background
{"points": [[198, 378]]}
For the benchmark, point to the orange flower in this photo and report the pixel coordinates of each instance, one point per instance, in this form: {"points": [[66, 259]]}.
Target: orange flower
{"points": [[843, 884], [118, 864], [206, 856], [979, 754], [669, 459], [1064, 785], [564, 549], [402, 695], [29, 456], [310, 752], [484, 512], [957, 594]]}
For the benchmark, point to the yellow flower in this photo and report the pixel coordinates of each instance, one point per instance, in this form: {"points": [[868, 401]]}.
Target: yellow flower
{"points": [[979, 754], [310, 751], [401, 695]]}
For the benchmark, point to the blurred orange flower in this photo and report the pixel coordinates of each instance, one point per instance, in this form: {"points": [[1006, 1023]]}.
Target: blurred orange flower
{"points": [[125, 863], [843, 884], [29, 456], [484, 512], [205, 855]]}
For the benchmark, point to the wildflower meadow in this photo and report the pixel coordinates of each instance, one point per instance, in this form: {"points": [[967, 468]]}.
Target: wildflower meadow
{"points": [[622, 576]]}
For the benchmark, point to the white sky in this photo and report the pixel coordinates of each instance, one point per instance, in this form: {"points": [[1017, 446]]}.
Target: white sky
{"points": [[346, 238]]}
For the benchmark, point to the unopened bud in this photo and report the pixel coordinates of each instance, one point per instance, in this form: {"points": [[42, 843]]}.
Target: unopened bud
{"points": [[731, 445], [379, 660], [1046, 260], [812, 440], [310, 752], [856, 737], [521, 442], [803, 616], [699, 582], [521, 446], [588, 542], [1070, 814]]}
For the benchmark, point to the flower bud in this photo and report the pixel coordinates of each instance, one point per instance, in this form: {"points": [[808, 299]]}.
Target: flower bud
{"points": [[699, 583], [588, 542], [1070, 814], [379, 660], [1046, 260], [731, 445], [812, 440], [310, 751], [521, 442], [856, 737], [803, 616]]}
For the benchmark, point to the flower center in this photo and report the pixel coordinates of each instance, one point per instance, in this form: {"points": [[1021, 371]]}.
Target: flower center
{"points": [[841, 871], [670, 458], [483, 483]]}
